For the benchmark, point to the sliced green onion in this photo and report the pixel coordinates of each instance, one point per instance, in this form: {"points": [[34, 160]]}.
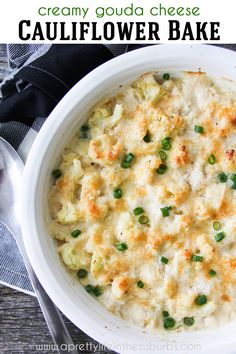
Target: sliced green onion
{"points": [[164, 260], [165, 314], [143, 219], [147, 138], [57, 173], [198, 129], [125, 164], [201, 300], [166, 76], [75, 233], [121, 246], [161, 169], [89, 288], [97, 291], [168, 322], [82, 273], [216, 225], [196, 258], [84, 128], [212, 273], [211, 159], [140, 284], [166, 144], [129, 158], [166, 211], [117, 194], [138, 211], [222, 177], [220, 236], [233, 177], [163, 155], [188, 321]]}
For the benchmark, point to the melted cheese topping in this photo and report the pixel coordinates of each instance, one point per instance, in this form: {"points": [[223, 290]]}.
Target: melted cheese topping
{"points": [[83, 198]]}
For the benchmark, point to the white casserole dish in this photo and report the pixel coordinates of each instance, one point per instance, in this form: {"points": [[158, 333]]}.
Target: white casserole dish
{"points": [[83, 310]]}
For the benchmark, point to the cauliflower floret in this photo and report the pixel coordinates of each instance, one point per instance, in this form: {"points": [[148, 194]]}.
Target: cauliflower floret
{"points": [[91, 186], [102, 267], [136, 313], [116, 116], [101, 117], [75, 171], [73, 255], [97, 116], [148, 89], [95, 233], [114, 176], [67, 160], [104, 150], [69, 213], [120, 286]]}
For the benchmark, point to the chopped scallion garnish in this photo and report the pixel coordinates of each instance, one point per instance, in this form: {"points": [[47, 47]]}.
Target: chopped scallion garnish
{"points": [[166, 211], [75, 233], [212, 273], [117, 194], [125, 164], [220, 236], [140, 284], [143, 220], [233, 179], [95, 290], [147, 137], [163, 155], [188, 321], [216, 225], [165, 314], [161, 169], [211, 159], [121, 246], [222, 177], [166, 144], [57, 173], [84, 128], [201, 300], [196, 258], [166, 76], [138, 211], [164, 260], [168, 322], [198, 129], [82, 273], [127, 160]]}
